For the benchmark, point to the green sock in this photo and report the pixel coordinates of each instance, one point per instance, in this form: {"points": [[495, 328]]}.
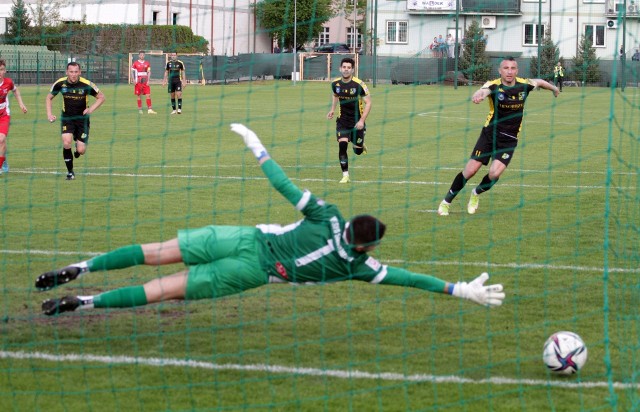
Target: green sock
{"points": [[121, 298], [120, 258]]}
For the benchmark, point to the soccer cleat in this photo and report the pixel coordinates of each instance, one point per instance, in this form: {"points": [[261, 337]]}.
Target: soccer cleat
{"points": [[443, 209], [179, 111], [50, 280], [474, 201], [5, 167], [140, 111], [76, 154], [71, 176], [345, 179], [51, 307], [150, 111], [174, 112]]}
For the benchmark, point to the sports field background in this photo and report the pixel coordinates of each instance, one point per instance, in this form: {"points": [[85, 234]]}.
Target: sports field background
{"points": [[559, 231]]}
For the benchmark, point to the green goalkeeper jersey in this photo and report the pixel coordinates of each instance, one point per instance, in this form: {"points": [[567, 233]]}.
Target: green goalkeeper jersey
{"points": [[315, 250]]}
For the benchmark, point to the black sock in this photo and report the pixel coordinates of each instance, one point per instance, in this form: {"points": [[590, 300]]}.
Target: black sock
{"points": [[173, 104], [485, 185], [180, 104], [458, 184], [342, 155], [67, 155]]}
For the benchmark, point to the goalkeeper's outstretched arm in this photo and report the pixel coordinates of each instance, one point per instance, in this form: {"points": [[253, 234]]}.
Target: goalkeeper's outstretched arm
{"points": [[475, 291], [278, 179]]}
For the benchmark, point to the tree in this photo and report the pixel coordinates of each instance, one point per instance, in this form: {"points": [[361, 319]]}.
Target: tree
{"points": [[474, 61], [586, 65], [18, 24], [549, 56], [278, 17], [46, 12]]}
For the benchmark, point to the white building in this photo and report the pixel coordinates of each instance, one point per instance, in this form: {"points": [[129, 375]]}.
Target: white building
{"points": [[228, 25], [407, 27], [403, 27]]}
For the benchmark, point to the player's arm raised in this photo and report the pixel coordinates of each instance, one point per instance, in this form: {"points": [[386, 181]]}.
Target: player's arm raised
{"points": [[271, 169]]}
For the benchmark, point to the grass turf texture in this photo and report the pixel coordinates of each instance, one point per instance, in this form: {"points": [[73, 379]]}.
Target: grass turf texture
{"points": [[564, 211]]}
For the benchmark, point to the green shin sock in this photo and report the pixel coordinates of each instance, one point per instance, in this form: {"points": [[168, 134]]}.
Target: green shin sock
{"points": [[121, 298], [120, 258]]}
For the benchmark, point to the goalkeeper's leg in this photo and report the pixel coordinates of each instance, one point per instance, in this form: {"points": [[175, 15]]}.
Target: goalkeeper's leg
{"points": [[158, 290], [150, 254]]}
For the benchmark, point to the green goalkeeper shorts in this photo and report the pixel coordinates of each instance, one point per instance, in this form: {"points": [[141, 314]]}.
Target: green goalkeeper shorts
{"points": [[222, 260]]}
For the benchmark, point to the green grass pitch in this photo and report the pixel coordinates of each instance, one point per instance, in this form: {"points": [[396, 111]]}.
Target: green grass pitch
{"points": [[559, 231]]}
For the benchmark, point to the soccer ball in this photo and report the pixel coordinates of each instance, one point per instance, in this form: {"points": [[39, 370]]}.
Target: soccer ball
{"points": [[564, 353]]}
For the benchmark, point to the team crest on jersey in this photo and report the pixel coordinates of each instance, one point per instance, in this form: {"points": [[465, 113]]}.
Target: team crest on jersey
{"points": [[522, 95], [281, 270], [337, 89], [501, 96], [352, 91]]}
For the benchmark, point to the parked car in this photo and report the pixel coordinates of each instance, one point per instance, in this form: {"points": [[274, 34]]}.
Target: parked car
{"points": [[333, 48]]}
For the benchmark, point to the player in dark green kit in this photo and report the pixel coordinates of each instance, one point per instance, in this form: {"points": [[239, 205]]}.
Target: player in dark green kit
{"points": [[224, 260], [354, 106], [75, 123], [499, 136], [174, 76]]}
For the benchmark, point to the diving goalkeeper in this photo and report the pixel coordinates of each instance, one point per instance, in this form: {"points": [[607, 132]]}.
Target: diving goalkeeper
{"points": [[224, 260]]}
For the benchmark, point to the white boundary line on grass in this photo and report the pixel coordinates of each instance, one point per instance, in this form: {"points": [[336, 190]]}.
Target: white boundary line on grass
{"points": [[387, 261], [315, 372], [209, 177]]}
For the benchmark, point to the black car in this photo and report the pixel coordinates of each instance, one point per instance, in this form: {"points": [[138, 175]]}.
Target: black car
{"points": [[333, 48]]}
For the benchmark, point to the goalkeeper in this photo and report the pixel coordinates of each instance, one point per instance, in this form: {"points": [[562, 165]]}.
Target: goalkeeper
{"points": [[224, 260]]}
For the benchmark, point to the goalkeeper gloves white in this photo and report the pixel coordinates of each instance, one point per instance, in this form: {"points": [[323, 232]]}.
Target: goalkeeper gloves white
{"points": [[475, 291], [250, 139]]}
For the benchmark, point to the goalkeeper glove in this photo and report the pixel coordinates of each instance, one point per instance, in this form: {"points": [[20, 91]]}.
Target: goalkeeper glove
{"points": [[475, 291], [250, 140]]}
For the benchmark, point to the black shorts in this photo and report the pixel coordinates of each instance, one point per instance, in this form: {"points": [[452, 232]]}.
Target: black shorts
{"points": [[354, 135], [79, 128], [500, 148], [175, 86]]}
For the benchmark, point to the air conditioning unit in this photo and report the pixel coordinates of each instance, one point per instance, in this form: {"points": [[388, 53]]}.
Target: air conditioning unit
{"points": [[488, 22], [612, 23]]}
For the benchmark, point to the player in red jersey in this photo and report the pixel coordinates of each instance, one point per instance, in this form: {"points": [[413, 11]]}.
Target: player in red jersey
{"points": [[141, 76], [6, 86]]}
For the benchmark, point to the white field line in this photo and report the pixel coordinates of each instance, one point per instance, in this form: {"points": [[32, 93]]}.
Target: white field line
{"points": [[487, 265], [358, 181], [314, 372]]}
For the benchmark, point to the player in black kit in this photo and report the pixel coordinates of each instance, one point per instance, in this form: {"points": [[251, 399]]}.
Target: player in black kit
{"points": [[355, 105]]}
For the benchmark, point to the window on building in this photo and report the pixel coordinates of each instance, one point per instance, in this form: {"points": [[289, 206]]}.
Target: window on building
{"points": [[323, 37], [350, 31], [532, 32], [155, 17], [397, 31], [174, 20], [595, 33], [3, 25]]}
